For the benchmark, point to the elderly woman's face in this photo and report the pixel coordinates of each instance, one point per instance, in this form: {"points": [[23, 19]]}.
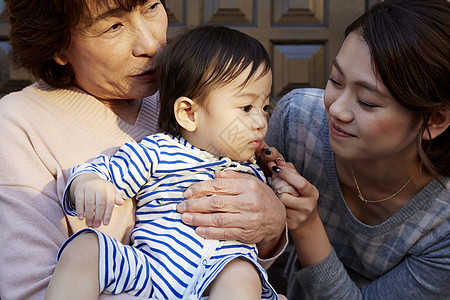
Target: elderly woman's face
{"points": [[115, 57]]}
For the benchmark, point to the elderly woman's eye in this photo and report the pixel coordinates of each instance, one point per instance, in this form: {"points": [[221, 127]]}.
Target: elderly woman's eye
{"points": [[115, 27], [153, 6]]}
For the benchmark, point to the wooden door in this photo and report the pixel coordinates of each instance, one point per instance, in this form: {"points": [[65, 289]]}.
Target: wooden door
{"points": [[11, 79], [301, 36]]}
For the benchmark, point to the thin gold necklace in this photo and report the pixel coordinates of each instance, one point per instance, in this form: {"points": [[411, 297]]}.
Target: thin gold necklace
{"points": [[379, 200]]}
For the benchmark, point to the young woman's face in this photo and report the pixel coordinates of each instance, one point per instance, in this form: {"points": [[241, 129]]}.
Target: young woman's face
{"points": [[233, 121], [365, 121], [115, 57]]}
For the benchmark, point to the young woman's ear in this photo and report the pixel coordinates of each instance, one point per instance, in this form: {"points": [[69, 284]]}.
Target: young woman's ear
{"points": [[185, 113], [438, 123], [61, 59]]}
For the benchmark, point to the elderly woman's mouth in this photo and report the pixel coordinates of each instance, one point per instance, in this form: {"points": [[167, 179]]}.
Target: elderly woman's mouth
{"points": [[147, 76]]}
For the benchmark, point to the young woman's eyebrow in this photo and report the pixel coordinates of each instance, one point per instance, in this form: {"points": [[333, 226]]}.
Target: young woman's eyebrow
{"points": [[336, 65], [364, 84]]}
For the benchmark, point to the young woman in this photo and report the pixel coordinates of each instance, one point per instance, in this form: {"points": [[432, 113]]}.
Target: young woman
{"points": [[375, 144]]}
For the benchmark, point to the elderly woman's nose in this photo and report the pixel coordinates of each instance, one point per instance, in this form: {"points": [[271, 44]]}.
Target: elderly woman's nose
{"points": [[146, 42]]}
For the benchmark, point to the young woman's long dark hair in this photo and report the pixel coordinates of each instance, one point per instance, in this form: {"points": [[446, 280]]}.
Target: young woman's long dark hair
{"points": [[409, 41]]}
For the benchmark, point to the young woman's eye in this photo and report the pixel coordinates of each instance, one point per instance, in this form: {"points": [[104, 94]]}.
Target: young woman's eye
{"points": [[365, 104], [334, 82], [247, 108]]}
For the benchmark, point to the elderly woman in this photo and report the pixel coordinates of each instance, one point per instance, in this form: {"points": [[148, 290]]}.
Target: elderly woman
{"points": [[94, 62]]}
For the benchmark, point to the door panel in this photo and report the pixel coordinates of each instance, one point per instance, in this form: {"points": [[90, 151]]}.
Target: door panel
{"points": [[301, 36]]}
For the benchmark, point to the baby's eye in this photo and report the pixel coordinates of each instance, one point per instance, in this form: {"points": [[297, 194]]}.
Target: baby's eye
{"points": [[247, 108]]}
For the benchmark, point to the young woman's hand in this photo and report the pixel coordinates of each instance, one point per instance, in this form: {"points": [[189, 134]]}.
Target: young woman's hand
{"points": [[94, 199], [305, 226], [267, 157], [297, 194]]}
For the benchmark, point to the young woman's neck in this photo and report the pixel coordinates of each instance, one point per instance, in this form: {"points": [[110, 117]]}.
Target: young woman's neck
{"points": [[386, 186]]}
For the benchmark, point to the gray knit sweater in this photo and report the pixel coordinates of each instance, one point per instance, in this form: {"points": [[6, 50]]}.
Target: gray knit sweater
{"points": [[405, 257]]}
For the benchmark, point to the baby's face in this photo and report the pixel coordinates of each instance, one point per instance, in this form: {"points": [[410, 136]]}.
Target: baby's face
{"points": [[234, 121]]}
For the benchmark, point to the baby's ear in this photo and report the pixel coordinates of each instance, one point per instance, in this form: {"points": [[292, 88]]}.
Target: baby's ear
{"points": [[185, 113], [438, 123]]}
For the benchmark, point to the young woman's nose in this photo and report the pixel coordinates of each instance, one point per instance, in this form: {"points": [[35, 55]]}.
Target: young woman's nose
{"points": [[340, 108]]}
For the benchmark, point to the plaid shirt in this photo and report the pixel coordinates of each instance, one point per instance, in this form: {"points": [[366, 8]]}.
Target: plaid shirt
{"points": [[405, 257]]}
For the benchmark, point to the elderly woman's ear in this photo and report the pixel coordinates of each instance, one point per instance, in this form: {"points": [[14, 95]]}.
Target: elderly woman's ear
{"points": [[60, 58]]}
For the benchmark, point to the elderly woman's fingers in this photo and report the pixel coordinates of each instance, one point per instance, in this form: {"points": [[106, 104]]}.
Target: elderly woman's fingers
{"points": [[244, 207], [219, 185]]}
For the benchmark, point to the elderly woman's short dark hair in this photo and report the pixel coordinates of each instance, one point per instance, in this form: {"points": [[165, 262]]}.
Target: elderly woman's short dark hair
{"points": [[40, 29]]}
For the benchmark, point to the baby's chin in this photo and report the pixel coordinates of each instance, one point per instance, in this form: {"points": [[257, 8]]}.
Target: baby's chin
{"points": [[243, 157]]}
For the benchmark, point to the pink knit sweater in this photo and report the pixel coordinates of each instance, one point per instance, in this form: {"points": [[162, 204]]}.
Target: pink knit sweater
{"points": [[44, 132]]}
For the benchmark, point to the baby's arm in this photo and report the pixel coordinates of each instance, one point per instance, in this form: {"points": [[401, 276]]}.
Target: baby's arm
{"points": [[107, 177], [94, 198]]}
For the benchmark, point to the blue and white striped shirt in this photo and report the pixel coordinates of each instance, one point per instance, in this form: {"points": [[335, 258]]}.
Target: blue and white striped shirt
{"points": [[179, 263]]}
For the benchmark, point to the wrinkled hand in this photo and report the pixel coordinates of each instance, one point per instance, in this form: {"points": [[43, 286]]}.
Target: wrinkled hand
{"points": [[297, 194], [235, 206], [94, 199]]}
